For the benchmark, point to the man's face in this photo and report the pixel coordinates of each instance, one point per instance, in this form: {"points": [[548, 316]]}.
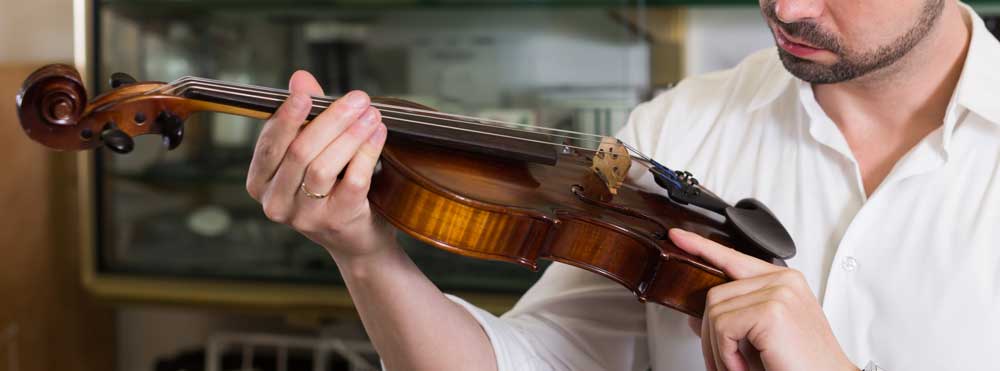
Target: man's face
{"points": [[831, 41]]}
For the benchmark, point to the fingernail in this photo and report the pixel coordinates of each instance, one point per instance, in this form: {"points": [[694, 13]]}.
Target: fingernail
{"points": [[378, 135], [680, 232], [355, 99], [368, 118]]}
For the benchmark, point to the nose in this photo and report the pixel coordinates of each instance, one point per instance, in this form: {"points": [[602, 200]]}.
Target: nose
{"points": [[791, 11]]}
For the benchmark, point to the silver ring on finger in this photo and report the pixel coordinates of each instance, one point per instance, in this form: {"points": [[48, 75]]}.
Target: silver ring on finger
{"points": [[316, 196]]}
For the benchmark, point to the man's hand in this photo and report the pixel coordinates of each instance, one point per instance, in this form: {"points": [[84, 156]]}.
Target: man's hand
{"points": [[291, 159], [766, 318]]}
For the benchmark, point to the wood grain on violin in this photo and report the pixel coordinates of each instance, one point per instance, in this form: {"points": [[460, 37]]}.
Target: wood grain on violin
{"points": [[470, 186], [520, 212]]}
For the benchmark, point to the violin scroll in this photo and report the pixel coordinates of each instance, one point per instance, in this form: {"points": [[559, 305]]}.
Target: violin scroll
{"points": [[54, 110], [51, 102]]}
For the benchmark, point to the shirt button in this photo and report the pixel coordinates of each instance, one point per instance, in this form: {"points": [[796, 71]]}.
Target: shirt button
{"points": [[849, 264]]}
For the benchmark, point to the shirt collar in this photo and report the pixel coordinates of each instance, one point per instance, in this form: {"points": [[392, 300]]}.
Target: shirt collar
{"points": [[777, 81], [979, 75]]}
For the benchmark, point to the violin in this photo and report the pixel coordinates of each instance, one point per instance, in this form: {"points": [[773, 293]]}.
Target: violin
{"points": [[475, 187]]}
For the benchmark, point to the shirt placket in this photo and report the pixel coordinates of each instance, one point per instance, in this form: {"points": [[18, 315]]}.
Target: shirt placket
{"points": [[839, 302]]}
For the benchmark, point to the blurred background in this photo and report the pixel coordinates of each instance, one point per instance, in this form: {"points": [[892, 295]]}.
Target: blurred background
{"points": [[159, 260]]}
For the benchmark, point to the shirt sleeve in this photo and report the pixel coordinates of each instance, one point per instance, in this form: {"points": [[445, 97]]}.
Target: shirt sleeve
{"points": [[572, 319]]}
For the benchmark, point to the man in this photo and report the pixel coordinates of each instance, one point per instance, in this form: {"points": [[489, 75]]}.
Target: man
{"points": [[873, 132]]}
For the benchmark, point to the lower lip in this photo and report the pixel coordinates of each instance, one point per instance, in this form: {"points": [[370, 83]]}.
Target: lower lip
{"points": [[796, 49]]}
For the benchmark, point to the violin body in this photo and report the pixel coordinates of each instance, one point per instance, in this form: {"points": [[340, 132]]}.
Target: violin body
{"points": [[516, 211], [487, 193]]}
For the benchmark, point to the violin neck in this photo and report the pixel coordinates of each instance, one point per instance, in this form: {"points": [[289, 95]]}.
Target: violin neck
{"points": [[266, 104], [404, 120]]}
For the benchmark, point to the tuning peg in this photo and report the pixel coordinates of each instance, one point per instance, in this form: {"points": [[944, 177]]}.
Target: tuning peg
{"points": [[119, 79], [172, 128], [117, 141]]}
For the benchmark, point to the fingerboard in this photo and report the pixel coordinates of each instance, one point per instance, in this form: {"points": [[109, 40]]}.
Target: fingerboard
{"points": [[422, 126]]}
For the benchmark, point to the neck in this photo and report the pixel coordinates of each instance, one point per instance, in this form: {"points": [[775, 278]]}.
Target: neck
{"points": [[915, 91], [403, 120]]}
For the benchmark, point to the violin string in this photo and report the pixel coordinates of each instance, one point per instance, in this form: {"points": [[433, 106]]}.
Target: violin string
{"points": [[646, 161], [329, 99], [323, 105], [282, 98], [434, 114], [196, 84], [428, 124], [438, 115], [184, 83]]}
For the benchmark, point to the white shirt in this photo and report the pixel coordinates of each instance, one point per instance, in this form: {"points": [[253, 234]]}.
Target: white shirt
{"points": [[909, 277]]}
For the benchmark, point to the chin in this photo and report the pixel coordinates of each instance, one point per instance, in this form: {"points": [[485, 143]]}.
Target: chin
{"points": [[811, 71]]}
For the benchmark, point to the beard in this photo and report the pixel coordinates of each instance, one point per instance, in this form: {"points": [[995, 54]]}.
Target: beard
{"points": [[850, 64]]}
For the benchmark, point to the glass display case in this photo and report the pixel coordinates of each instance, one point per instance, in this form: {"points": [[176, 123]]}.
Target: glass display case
{"points": [[179, 225], [185, 216]]}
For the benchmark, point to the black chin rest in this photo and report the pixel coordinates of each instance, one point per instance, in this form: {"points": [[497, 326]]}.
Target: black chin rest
{"points": [[767, 238]]}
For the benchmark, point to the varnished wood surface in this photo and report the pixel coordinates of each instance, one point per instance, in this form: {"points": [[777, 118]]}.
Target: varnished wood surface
{"points": [[60, 327], [520, 212]]}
